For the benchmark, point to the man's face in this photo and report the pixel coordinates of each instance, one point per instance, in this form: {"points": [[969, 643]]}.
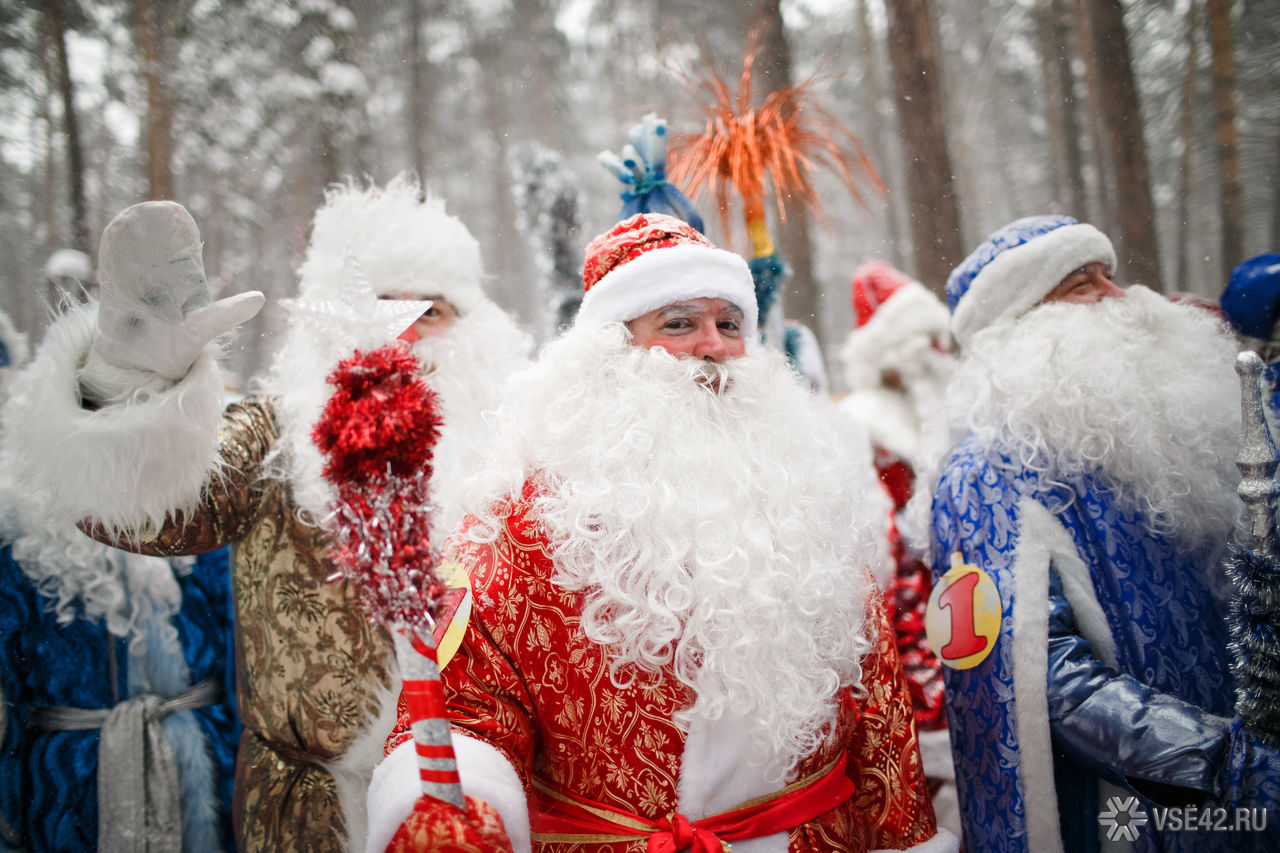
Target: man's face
{"points": [[707, 329], [1089, 284], [434, 321]]}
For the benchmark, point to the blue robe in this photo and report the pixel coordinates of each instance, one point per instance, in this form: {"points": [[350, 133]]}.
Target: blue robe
{"points": [[1110, 673], [48, 781]]}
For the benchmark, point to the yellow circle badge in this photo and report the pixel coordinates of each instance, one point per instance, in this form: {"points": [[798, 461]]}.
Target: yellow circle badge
{"points": [[962, 621]]}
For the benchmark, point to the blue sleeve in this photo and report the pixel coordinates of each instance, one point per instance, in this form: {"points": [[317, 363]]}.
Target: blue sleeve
{"points": [[1168, 750]]}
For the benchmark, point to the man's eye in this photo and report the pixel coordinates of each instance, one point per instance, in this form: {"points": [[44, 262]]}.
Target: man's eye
{"points": [[729, 326]]}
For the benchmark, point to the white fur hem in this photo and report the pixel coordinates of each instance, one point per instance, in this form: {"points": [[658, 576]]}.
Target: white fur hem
{"points": [[1018, 278], [128, 466], [486, 775], [353, 770], [1042, 543], [935, 755], [943, 842]]}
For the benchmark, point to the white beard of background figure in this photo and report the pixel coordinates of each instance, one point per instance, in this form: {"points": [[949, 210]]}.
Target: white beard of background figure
{"points": [[1140, 389]]}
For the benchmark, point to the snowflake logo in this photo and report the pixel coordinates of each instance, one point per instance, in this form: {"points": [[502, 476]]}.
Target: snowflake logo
{"points": [[1121, 818]]}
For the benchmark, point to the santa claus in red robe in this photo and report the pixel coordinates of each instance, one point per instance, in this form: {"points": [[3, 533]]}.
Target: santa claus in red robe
{"points": [[671, 638]]}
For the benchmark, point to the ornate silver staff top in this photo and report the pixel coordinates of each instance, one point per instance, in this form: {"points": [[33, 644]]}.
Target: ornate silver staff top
{"points": [[1257, 459]]}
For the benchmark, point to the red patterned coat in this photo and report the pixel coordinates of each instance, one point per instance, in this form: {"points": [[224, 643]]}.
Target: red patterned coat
{"points": [[528, 682]]}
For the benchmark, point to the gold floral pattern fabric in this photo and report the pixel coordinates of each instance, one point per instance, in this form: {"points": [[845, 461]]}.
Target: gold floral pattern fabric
{"points": [[440, 828], [308, 663], [527, 681]]}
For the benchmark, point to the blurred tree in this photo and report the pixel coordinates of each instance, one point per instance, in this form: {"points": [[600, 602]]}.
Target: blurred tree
{"points": [[419, 112], [55, 35], [1133, 225], [1231, 192], [931, 196], [878, 145], [1053, 31], [155, 31], [1186, 138], [772, 73]]}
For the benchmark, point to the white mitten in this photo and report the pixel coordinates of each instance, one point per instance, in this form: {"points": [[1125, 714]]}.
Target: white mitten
{"points": [[155, 315]]}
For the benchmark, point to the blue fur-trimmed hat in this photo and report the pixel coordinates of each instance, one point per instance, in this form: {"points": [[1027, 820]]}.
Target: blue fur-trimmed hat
{"points": [[1018, 266], [1252, 298]]}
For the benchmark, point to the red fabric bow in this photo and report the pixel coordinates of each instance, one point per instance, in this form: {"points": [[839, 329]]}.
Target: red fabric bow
{"points": [[567, 817], [678, 834]]}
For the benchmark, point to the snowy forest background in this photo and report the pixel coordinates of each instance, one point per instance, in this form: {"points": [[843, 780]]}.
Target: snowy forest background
{"points": [[1157, 120]]}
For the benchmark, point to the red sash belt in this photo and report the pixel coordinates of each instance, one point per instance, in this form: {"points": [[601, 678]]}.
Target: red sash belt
{"points": [[562, 817]]}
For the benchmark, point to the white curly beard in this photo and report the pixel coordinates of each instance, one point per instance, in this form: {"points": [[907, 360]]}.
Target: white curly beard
{"points": [[721, 533], [1138, 390], [465, 365]]}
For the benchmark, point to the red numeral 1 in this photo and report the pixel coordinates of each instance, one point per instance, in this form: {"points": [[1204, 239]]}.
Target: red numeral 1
{"points": [[958, 598]]}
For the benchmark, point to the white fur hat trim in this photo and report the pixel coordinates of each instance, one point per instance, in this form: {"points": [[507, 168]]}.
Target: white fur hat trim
{"points": [[663, 276], [1015, 280]]}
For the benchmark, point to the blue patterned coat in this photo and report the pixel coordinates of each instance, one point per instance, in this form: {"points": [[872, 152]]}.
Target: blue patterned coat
{"points": [[48, 781], [1109, 675]]}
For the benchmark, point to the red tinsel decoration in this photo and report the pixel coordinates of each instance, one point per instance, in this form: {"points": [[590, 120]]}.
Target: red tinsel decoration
{"points": [[378, 433]]}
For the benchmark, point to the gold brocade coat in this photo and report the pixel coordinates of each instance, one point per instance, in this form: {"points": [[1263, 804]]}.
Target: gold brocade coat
{"points": [[309, 666]]}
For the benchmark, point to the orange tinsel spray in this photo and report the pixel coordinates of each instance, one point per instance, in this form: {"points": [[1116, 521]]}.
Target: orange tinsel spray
{"points": [[787, 139]]}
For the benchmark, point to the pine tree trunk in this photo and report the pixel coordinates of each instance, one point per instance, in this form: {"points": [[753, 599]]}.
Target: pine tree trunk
{"points": [[1231, 199], [1053, 33], [153, 30], [418, 122], [772, 72], [56, 28], [1186, 161], [935, 217], [531, 17], [1275, 202], [1105, 215], [1122, 126], [873, 88], [513, 277]]}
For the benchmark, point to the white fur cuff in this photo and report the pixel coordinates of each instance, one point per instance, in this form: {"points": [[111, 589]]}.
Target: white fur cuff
{"points": [[129, 466], [486, 775]]}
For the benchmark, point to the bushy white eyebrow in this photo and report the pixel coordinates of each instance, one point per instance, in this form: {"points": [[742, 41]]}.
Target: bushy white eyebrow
{"points": [[681, 309]]}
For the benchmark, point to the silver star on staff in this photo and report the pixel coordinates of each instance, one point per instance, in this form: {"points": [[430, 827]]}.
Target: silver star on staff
{"points": [[358, 318]]}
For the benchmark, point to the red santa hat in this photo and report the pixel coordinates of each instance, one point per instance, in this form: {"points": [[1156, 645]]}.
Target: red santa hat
{"points": [[889, 308], [652, 260]]}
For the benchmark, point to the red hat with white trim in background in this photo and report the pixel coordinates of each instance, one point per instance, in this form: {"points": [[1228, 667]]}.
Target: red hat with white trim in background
{"points": [[889, 309]]}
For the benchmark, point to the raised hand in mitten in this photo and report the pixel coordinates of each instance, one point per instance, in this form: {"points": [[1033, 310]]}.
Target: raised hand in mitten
{"points": [[155, 313], [439, 827]]}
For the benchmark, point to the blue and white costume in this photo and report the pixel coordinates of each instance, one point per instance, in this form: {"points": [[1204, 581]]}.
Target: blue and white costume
{"points": [[178, 648], [1106, 671], [1110, 666], [118, 728]]}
